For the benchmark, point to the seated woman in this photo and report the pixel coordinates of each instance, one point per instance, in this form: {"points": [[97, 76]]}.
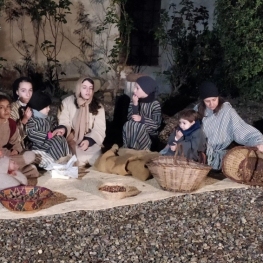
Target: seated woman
{"points": [[22, 93], [82, 121], [10, 143], [48, 148], [190, 135], [222, 125], [144, 116]]}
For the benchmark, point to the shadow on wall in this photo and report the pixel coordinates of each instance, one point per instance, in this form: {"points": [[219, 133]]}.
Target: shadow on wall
{"points": [[114, 128], [175, 104]]}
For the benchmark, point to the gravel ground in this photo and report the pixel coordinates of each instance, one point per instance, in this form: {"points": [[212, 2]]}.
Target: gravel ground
{"points": [[223, 226]]}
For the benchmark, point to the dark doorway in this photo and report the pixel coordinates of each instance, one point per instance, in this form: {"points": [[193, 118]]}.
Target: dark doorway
{"points": [[144, 49]]}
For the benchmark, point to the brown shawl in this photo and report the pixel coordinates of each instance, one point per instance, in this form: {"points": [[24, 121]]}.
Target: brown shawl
{"points": [[81, 118]]}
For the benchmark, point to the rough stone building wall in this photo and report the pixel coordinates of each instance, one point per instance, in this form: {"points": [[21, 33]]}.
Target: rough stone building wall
{"points": [[69, 54]]}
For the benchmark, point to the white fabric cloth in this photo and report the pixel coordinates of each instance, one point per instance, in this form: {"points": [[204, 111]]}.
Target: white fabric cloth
{"points": [[7, 181], [89, 156], [43, 159]]}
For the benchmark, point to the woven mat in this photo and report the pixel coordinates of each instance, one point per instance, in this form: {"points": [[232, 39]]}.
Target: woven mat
{"points": [[83, 194], [57, 198]]}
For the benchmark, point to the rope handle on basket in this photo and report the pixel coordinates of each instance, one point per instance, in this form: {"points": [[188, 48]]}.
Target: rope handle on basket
{"points": [[177, 151], [250, 149]]}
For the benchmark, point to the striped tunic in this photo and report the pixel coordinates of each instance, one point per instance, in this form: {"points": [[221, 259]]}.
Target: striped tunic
{"points": [[223, 128], [136, 135], [56, 147]]}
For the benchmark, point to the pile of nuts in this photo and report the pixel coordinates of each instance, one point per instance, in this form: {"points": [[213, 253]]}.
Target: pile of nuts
{"points": [[113, 188]]}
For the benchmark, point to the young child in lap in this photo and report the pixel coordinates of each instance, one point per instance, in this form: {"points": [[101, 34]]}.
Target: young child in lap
{"points": [[47, 147], [189, 134], [10, 143], [9, 175]]}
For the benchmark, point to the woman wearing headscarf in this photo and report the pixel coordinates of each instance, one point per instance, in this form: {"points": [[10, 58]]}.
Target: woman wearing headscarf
{"points": [[222, 125], [82, 120], [144, 115]]}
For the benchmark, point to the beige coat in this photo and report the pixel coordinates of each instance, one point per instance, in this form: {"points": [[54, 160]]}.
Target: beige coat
{"points": [[97, 128], [5, 137], [97, 123]]}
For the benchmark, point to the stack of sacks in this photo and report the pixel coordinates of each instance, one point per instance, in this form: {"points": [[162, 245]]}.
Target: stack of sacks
{"points": [[126, 162]]}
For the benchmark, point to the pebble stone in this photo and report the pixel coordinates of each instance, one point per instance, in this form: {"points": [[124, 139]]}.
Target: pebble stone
{"points": [[218, 227]]}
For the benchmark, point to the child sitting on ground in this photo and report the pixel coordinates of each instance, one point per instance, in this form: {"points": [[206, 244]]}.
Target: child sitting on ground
{"points": [[10, 141], [190, 135], [39, 127], [9, 175]]}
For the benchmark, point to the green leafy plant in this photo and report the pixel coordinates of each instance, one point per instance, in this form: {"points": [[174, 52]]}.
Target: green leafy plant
{"points": [[1, 65], [51, 14], [46, 16], [190, 48], [85, 42], [240, 27], [115, 58]]}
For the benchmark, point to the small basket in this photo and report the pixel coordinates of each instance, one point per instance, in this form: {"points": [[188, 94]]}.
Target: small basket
{"points": [[24, 198], [125, 191], [244, 165], [177, 174]]}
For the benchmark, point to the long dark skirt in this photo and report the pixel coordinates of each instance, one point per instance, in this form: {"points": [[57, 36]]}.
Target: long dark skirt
{"points": [[136, 136]]}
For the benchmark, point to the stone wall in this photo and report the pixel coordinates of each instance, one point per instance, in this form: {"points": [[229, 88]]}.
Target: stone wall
{"points": [[72, 63]]}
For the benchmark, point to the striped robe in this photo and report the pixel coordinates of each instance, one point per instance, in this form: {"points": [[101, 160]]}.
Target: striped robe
{"points": [[48, 149], [223, 128], [136, 135]]}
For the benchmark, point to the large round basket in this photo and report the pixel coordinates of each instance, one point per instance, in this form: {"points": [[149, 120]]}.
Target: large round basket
{"points": [[178, 174], [24, 198], [244, 165]]}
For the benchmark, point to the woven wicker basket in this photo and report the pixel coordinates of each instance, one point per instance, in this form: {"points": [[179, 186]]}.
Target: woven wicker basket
{"points": [[129, 191], [244, 165], [178, 174]]}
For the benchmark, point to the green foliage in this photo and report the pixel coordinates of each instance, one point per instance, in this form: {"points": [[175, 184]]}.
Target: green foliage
{"points": [[116, 16], [1, 61], [240, 27], [2, 2], [85, 43], [191, 49], [46, 16]]}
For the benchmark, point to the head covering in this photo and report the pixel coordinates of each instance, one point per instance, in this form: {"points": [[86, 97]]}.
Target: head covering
{"points": [[39, 101], [81, 119], [208, 89], [147, 84]]}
